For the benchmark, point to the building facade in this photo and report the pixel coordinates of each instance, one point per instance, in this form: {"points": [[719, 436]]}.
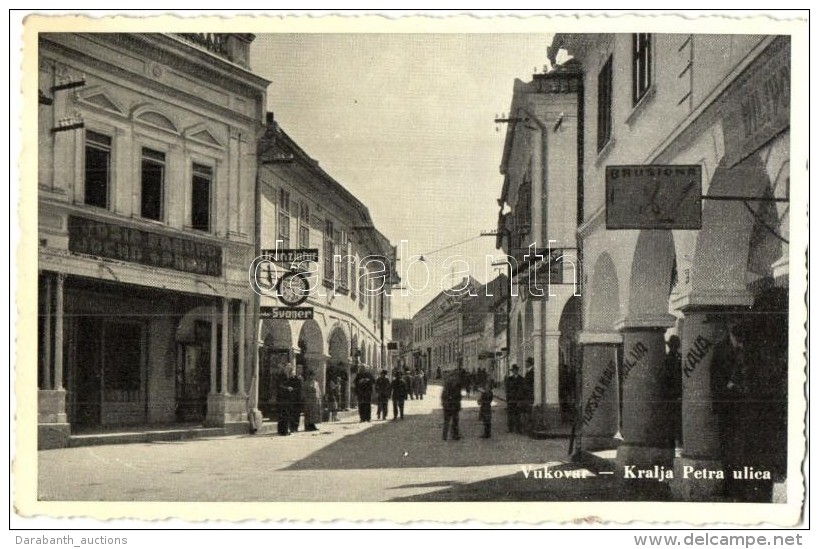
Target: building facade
{"points": [[437, 328], [483, 336], [651, 101], [537, 230], [303, 207], [146, 193]]}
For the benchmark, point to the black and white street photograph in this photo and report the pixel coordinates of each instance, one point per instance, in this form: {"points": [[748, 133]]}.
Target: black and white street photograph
{"points": [[326, 261]]}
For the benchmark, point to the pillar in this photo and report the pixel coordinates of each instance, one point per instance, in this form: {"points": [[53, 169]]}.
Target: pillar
{"points": [[45, 372], [702, 447], [59, 333], [223, 390], [600, 390], [213, 350], [646, 419], [53, 429], [242, 344]]}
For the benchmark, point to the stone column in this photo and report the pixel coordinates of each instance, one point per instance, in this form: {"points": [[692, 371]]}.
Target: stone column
{"points": [[225, 359], [551, 385], [600, 391], [45, 372], [53, 429], [59, 332], [703, 330], [646, 418], [242, 344], [213, 351]]}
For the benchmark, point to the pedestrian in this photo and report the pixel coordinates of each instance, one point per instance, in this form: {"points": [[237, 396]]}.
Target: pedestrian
{"points": [[311, 401], [451, 403], [673, 383], [438, 372], [514, 397], [383, 388], [364, 384], [399, 395], [284, 402], [332, 399], [418, 385], [410, 385], [296, 403], [485, 397]]}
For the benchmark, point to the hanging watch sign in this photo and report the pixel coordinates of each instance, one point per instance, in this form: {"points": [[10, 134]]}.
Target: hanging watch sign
{"points": [[293, 288]]}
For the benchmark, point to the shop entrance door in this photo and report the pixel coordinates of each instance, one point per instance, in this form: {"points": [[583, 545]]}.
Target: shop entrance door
{"points": [[193, 374], [87, 386]]}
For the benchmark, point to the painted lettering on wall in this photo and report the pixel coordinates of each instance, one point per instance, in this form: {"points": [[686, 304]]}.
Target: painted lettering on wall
{"points": [[695, 355]]}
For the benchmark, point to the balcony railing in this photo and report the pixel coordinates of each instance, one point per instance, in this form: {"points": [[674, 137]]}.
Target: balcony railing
{"points": [[233, 47], [211, 41]]}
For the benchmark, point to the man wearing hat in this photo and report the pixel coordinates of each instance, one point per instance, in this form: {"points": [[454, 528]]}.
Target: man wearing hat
{"points": [[515, 396], [382, 392]]}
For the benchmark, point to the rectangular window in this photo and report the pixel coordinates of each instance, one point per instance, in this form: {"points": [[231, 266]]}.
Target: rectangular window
{"points": [[97, 169], [329, 250], [604, 90], [284, 219], [153, 184], [363, 282], [342, 265], [304, 225], [641, 65], [338, 265], [201, 185]]}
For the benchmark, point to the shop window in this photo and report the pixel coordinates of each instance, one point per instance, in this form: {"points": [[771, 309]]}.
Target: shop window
{"points": [[153, 183], [201, 185], [97, 169], [284, 219], [604, 98], [641, 65], [123, 361]]}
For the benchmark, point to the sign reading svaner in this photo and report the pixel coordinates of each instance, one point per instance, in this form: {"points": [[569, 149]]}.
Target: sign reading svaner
{"points": [[286, 313], [654, 197]]}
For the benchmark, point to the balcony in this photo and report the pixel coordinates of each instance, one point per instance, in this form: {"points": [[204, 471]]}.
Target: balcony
{"points": [[231, 46]]}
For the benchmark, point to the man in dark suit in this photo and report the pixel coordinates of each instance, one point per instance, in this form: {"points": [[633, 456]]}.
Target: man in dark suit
{"points": [[364, 384], [515, 390], [451, 403]]}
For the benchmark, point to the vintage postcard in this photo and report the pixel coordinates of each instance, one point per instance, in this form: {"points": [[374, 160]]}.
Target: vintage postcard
{"points": [[529, 269]]}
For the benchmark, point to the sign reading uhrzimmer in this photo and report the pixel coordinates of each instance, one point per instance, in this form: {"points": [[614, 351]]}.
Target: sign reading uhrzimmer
{"points": [[296, 255], [654, 197], [286, 313], [88, 236]]}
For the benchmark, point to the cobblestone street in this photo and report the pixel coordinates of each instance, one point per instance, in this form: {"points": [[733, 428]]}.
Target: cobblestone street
{"points": [[345, 461]]}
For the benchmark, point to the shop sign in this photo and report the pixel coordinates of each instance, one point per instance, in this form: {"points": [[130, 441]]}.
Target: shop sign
{"points": [[102, 239], [295, 255], [286, 313], [761, 106], [654, 197]]}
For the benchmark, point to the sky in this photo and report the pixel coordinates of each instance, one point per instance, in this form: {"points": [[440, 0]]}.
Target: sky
{"points": [[406, 123]]}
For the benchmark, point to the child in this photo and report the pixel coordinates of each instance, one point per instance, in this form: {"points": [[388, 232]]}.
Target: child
{"points": [[485, 397]]}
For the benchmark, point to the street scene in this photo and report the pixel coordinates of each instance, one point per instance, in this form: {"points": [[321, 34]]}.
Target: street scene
{"points": [[445, 267], [402, 461]]}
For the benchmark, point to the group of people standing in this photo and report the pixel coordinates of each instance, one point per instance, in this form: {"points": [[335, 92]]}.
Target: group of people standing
{"points": [[455, 383], [296, 395], [520, 396], [402, 385]]}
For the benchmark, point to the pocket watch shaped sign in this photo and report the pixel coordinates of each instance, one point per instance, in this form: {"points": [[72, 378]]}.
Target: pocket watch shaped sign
{"points": [[293, 288]]}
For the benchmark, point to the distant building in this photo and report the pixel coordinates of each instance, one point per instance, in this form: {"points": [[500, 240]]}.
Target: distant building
{"points": [[436, 328], [481, 315], [303, 207], [402, 351], [146, 194], [540, 212], [720, 103]]}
